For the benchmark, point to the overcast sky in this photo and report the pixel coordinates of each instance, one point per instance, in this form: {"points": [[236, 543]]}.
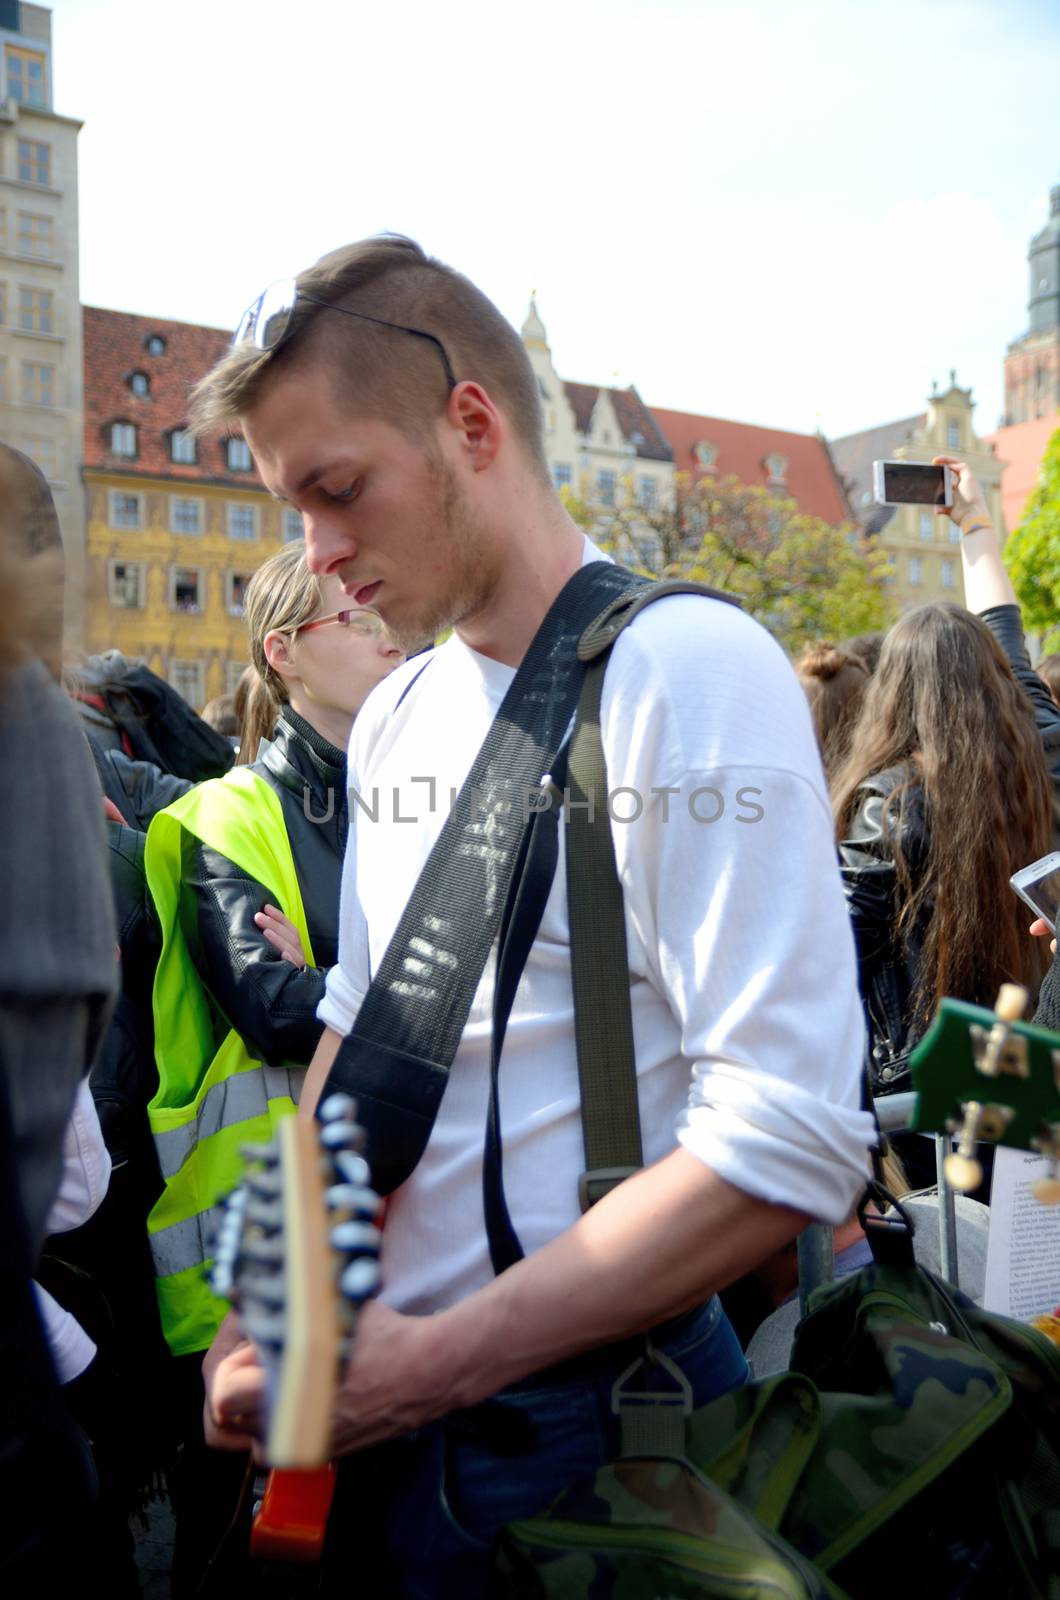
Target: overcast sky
{"points": [[791, 214]]}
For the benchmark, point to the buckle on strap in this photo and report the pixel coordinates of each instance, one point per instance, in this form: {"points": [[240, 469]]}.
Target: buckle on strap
{"points": [[593, 1185], [653, 1421]]}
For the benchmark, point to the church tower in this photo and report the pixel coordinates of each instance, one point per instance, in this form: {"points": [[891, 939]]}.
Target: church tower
{"points": [[1032, 365]]}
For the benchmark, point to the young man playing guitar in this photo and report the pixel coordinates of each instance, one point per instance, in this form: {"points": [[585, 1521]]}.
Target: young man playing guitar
{"points": [[386, 398]]}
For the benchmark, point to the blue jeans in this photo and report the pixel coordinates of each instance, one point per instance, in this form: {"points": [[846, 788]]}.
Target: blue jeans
{"points": [[437, 1500]]}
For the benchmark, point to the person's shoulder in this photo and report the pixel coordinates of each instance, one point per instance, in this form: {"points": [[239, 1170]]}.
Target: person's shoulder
{"points": [[704, 628]]}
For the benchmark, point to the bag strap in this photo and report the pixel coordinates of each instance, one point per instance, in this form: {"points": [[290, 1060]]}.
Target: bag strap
{"points": [[396, 1059], [603, 1018]]}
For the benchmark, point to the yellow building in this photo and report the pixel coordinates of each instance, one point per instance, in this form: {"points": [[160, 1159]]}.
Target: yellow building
{"points": [[924, 549], [175, 526]]}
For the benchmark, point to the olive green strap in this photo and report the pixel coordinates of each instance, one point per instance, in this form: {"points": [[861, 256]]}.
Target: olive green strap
{"points": [[603, 1021], [603, 1018]]}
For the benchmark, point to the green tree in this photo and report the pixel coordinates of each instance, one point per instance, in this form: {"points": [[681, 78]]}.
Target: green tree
{"points": [[802, 577], [1033, 552]]}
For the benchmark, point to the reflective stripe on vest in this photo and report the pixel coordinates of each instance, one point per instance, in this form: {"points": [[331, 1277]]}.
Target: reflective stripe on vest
{"points": [[213, 1095]]}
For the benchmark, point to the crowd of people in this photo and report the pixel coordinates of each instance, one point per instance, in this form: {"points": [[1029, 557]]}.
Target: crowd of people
{"points": [[195, 946]]}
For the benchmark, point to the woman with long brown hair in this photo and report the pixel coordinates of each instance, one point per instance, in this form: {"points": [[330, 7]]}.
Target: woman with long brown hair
{"points": [[834, 682], [945, 792]]}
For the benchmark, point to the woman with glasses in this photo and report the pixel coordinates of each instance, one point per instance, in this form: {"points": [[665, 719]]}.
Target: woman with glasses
{"points": [[244, 872]]}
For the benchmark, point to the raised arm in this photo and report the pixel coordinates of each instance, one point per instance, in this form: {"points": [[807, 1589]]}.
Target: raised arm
{"points": [[986, 579]]}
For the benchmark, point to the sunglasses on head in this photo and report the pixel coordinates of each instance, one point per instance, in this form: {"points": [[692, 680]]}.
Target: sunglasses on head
{"points": [[266, 322]]}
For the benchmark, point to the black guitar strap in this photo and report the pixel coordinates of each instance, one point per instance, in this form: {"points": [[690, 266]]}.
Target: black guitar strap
{"points": [[397, 1057]]}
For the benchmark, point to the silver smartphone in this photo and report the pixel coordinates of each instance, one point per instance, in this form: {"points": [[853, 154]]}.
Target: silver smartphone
{"points": [[1039, 886], [912, 483]]}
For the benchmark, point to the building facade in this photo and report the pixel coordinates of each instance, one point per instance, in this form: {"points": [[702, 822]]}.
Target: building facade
{"points": [[175, 525], [924, 549], [602, 444], [40, 304], [1032, 364]]}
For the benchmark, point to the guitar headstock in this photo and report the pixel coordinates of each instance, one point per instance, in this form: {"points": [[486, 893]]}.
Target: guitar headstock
{"points": [[298, 1255], [989, 1077]]}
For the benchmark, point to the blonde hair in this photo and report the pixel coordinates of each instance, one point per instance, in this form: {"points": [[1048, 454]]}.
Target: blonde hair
{"points": [[281, 595], [383, 371]]}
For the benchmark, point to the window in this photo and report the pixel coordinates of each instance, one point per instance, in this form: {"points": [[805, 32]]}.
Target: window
{"points": [[25, 76], [125, 583], [237, 452], [242, 522], [949, 574], [44, 453], [605, 488], [186, 678], [126, 510], [3, 303], [38, 384], [927, 525], [185, 516], [647, 493], [292, 526], [155, 345], [36, 236], [36, 310], [34, 162], [184, 588], [123, 439], [140, 384], [953, 435], [705, 454], [777, 468], [234, 670], [183, 447], [955, 533], [916, 570], [237, 591], [562, 476]]}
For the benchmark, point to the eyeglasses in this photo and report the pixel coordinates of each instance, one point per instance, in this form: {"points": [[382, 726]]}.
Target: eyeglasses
{"points": [[367, 623], [267, 321]]}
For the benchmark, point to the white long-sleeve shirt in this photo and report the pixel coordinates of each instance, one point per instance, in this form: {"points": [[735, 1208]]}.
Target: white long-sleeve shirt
{"points": [[747, 1023]]}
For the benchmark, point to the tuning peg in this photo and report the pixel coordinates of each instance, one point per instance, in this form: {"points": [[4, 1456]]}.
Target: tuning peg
{"points": [[360, 1279], [341, 1136], [961, 1169], [355, 1238], [353, 1168], [266, 1154], [338, 1108]]}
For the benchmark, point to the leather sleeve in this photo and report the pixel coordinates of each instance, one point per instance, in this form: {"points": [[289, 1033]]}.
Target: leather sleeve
{"points": [[1006, 625], [269, 1002], [137, 788]]}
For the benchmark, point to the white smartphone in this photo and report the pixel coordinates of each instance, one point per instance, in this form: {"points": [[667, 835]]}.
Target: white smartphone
{"points": [[1039, 886], [912, 483]]}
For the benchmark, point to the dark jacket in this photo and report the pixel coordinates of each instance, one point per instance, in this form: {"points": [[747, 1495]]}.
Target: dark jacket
{"points": [[270, 1003], [888, 967], [137, 788]]}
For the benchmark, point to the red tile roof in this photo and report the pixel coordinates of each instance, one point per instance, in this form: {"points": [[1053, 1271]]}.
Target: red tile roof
{"points": [[638, 424], [1021, 447], [115, 347], [742, 449]]}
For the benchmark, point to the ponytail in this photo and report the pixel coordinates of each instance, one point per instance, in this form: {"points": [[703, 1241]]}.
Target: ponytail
{"points": [[263, 708], [280, 597]]}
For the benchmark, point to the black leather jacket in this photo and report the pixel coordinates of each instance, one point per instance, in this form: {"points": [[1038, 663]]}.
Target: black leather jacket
{"points": [[888, 966], [270, 1003]]}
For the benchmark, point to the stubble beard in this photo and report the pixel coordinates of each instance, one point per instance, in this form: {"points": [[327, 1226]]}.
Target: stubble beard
{"points": [[471, 584]]}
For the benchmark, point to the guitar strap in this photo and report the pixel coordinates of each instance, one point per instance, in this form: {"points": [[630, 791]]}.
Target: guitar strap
{"points": [[396, 1059]]}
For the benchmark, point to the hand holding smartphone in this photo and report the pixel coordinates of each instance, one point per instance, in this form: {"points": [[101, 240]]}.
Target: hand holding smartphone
{"points": [[1039, 886], [912, 483]]}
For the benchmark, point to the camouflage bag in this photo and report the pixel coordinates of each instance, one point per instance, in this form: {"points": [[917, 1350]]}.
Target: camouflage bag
{"points": [[916, 1443]]}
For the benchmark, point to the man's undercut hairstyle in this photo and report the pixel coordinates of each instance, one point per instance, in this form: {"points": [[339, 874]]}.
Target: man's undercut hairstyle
{"points": [[383, 372]]}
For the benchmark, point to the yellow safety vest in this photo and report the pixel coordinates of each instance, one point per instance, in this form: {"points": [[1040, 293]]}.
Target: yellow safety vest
{"points": [[213, 1095]]}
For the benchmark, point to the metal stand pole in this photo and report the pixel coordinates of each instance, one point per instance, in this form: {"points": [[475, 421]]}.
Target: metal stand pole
{"points": [[947, 1214]]}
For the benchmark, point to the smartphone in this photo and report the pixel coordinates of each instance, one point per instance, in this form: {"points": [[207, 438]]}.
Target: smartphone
{"points": [[1039, 886], [912, 483]]}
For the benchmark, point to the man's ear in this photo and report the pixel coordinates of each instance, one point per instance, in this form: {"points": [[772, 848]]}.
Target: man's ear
{"points": [[473, 414], [277, 647]]}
